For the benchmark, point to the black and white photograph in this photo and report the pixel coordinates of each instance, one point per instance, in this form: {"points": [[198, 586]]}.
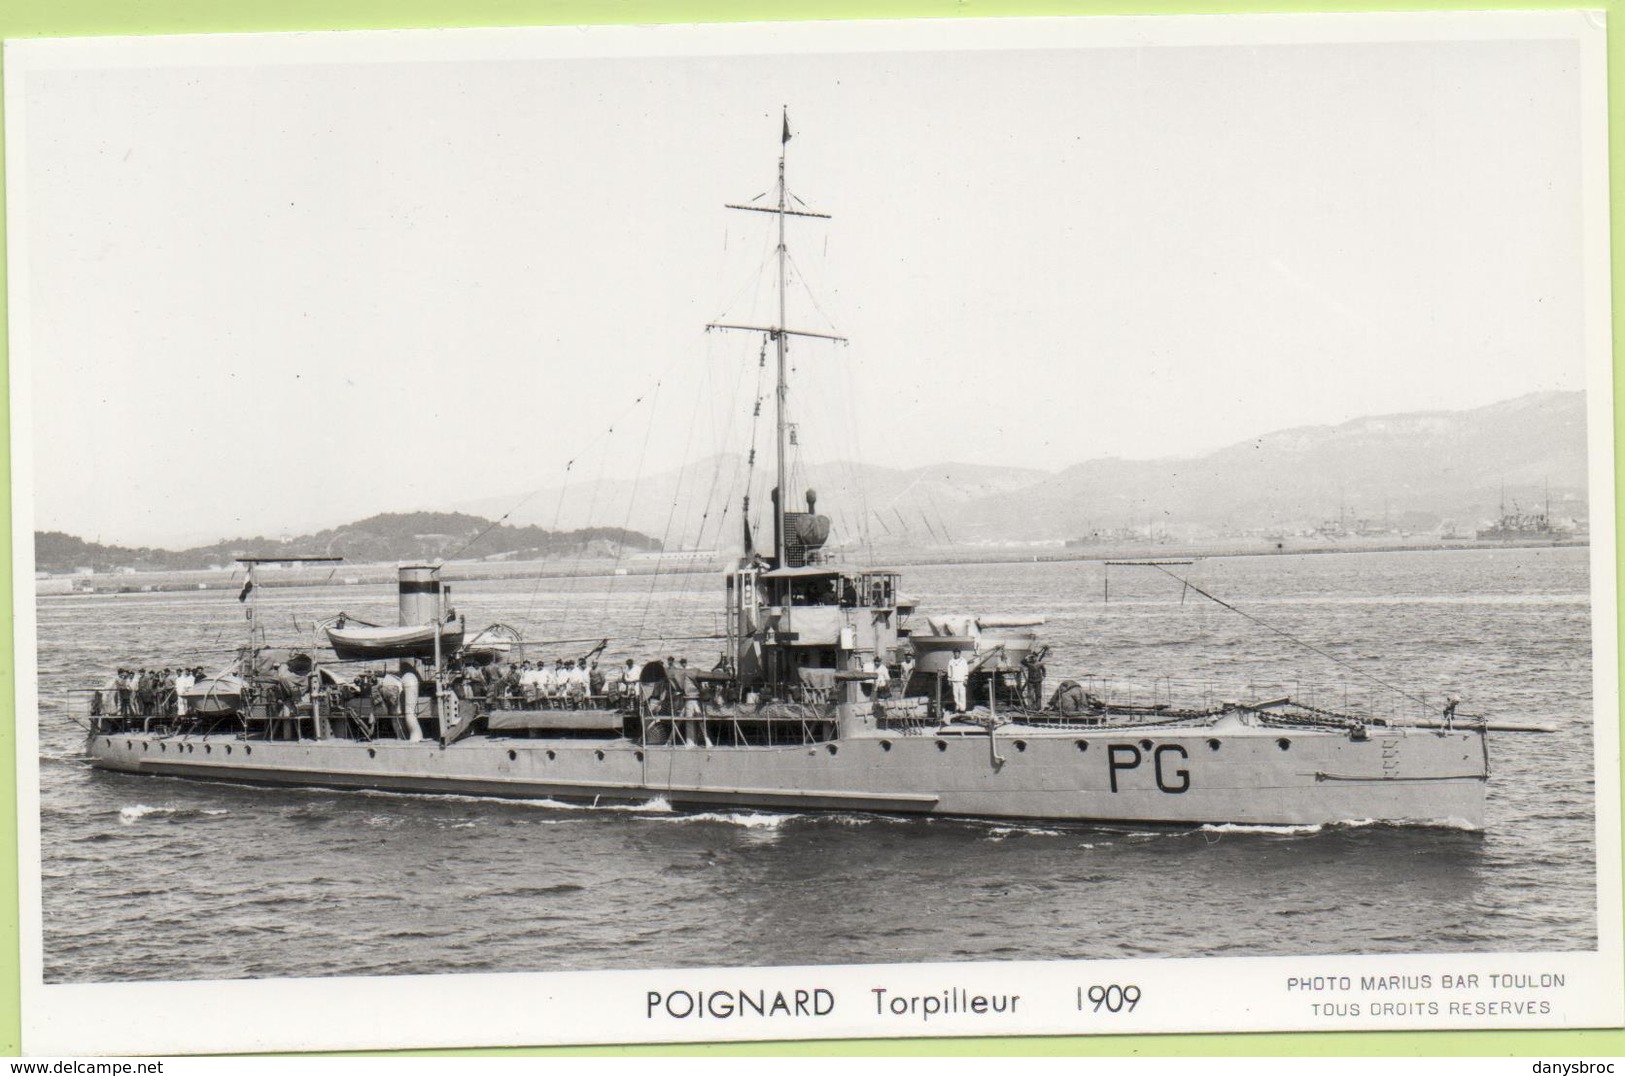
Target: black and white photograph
{"points": [[824, 530]]}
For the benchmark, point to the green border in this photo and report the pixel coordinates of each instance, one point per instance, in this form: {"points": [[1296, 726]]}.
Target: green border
{"points": [[83, 18]]}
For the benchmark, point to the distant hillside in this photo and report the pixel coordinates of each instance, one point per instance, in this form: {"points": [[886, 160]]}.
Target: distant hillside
{"points": [[426, 536], [698, 505], [1418, 471]]}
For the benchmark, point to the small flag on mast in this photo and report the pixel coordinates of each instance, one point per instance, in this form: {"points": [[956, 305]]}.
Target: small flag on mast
{"points": [[786, 137], [248, 588]]}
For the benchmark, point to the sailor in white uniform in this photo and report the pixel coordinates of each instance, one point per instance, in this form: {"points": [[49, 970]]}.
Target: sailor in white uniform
{"points": [[958, 674]]}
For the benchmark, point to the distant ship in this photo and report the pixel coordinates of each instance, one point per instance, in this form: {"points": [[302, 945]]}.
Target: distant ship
{"points": [[831, 694], [1516, 526]]}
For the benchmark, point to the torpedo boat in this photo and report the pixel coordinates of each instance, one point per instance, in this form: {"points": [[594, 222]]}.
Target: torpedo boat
{"points": [[832, 693]]}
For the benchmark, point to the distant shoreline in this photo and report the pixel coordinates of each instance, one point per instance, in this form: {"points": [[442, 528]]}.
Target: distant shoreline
{"points": [[477, 571]]}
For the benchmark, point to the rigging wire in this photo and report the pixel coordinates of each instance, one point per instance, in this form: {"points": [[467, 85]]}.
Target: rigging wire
{"points": [[1289, 636], [671, 514]]}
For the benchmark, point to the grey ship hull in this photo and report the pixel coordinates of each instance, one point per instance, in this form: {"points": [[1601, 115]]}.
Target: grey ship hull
{"points": [[1230, 771]]}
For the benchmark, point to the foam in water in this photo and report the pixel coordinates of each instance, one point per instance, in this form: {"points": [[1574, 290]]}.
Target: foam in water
{"points": [[1286, 831], [748, 821], [999, 833], [135, 813]]}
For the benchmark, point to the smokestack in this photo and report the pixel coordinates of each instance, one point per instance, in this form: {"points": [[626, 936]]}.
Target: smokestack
{"points": [[420, 594]]}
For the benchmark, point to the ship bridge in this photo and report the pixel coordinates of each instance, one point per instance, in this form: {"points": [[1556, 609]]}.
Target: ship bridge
{"points": [[811, 617]]}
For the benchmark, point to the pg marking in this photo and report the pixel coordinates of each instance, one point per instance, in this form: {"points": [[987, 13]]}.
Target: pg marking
{"points": [[1122, 757]]}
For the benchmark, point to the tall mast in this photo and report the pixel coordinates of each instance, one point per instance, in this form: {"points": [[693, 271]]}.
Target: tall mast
{"points": [[783, 386], [778, 332]]}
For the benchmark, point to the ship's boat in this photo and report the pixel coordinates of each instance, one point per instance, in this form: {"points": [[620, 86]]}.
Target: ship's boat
{"points": [[808, 707], [222, 693], [370, 643]]}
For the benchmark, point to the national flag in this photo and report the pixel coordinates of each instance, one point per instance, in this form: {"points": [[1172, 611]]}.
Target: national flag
{"points": [[750, 544], [248, 589], [786, 137]]}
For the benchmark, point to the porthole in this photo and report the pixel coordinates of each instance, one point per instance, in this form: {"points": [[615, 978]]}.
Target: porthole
{"points": [[885, 745], [551, 756], [208, 749], [1283, 743], [146, 747], [831, 748], [1021, 745], [942, 745], [600, 755], [228, 749], [248, 750], [513, 756], [1213, 745], [372, 752], [163, 747], [1083, 745], [638, 755], [128, 746], [1145, 745]]}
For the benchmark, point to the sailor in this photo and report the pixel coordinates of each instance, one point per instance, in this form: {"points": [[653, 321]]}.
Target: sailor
{"points": [[907, 674], [126, 689], [674, 686], [1032, 667], [882, 678], [629, 680], [693, 719], [143, 693], [490, 676], [511, 686], [183, 682], [575, 680], [595, 681], [530, 681], [958, 674], [169, 696]]}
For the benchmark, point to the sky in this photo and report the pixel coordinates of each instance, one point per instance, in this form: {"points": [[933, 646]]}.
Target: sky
{"points": [[274, 286]]}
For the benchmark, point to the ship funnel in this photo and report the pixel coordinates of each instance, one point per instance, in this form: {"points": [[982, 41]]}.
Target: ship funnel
{"points": [[420, 594]]}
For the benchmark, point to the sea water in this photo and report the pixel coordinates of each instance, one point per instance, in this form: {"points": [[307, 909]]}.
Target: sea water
{"points": [[160, 878]]}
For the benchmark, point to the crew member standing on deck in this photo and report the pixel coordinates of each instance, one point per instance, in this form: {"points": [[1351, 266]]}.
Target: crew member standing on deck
{"points": [[882, 678], [1033, 667], [183, 683], [629, 680], [121, 684], [693, 720], [958, 674]]}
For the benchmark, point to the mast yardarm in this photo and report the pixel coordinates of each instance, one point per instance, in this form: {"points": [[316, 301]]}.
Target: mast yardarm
{"points": [[778, 333]]}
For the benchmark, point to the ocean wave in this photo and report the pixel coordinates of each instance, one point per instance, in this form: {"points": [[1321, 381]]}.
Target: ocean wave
{"points": [[1282, 831], [653, 804], [999, 833], [1459, 824], [746, 820], [135, 812]]}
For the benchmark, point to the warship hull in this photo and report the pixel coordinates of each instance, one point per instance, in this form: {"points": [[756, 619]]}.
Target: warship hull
{"points": [[1226, 773]]}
